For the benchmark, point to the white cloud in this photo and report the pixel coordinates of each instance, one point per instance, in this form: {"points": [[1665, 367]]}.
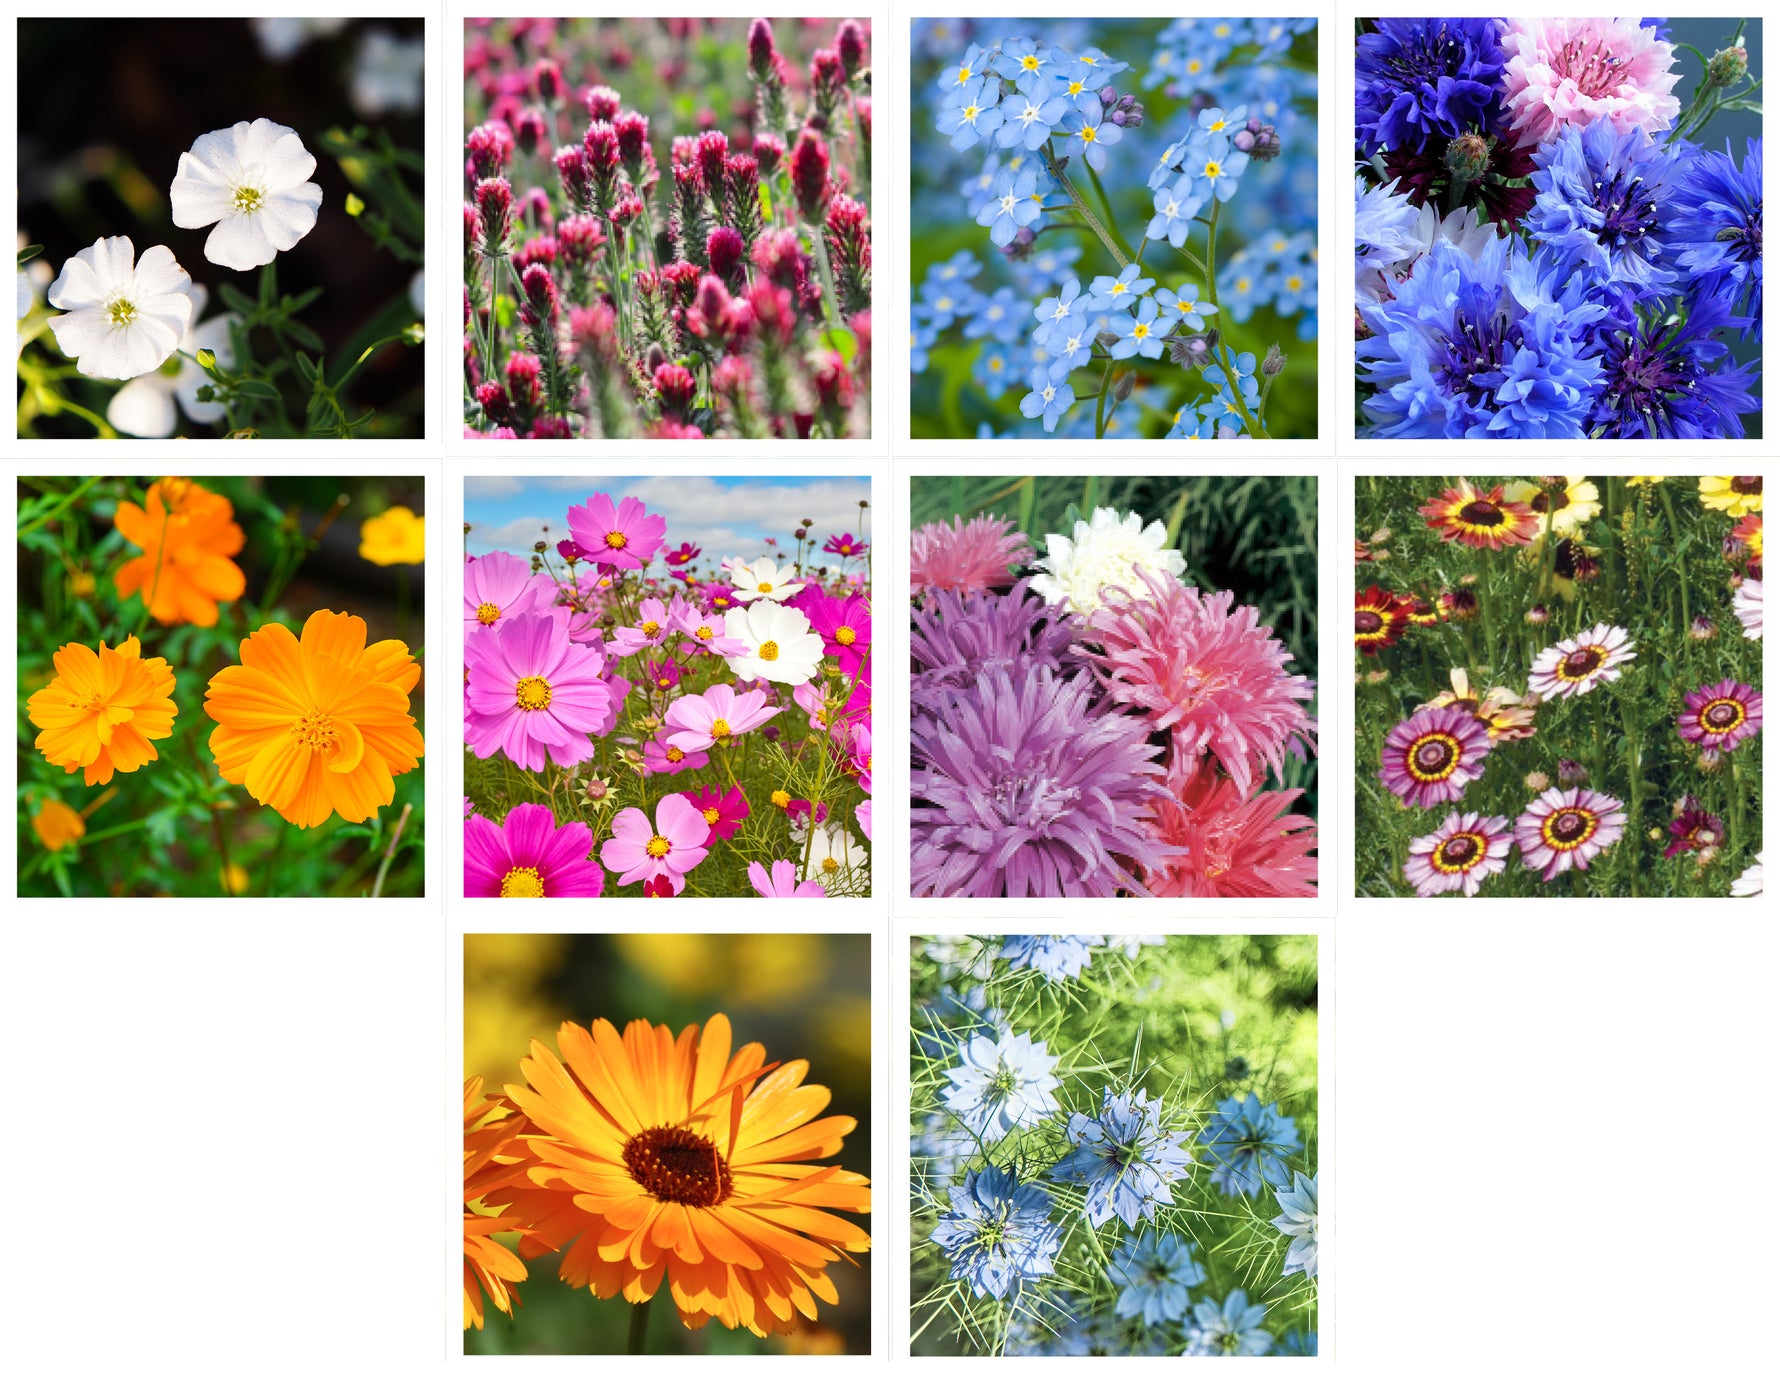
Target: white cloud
{"points": [[492, 488], [516, 536]]}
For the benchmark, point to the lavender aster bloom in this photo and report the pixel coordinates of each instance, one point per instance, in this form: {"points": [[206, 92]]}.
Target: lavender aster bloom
{"points": [[1603, 206], [1230, 1329], [1666, 379], [1056, 957], [998, 1232], [1297, 1219], [1419, 79], [1153, 1274], [1002, 1084], [1248, 1139], [1715, 228], [955, 636], [1125, 1157]]}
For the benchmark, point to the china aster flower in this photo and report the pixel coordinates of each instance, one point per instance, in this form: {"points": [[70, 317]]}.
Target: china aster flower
{"points": [[252, 182], [1415, 79], [1715, 228], [534, 694], [1611, 74], [1022, 788], [965, 557], [499, 584], [1506, 715], [493, 1159], [718, 713], [1482, 520], [102, 709], [998, 1232], [674, 1164], [1232, 1328], [724, 812], [1125, 1157], [776, 640], [1694, 829], [1213, 677], [1669, 376], [1576, 666], [188, 538], [1002, 1084], [396, 536], [1248, 1141], [1298, 1219], [1432, 756], [529, 856], [954, 636], [1458, 855], [1380, 618], [1225, 843], [1105, 551], [624, 535], [317, 724], [1154, 1274], [1566, 828], [1056, 957], [783, 882], [1720, 716], [57, 825], [123, 318], [1602, 207], [1735, 496], [1746, 602], [674, 845]]}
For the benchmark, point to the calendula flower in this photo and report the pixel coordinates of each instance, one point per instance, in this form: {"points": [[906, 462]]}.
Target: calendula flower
{"points": [[1735, 496], [57, 824], [778, 644], [252, 182], [316, 725], [1482, 520], [1569, 507], [671, 1163], [124, 318], [396, 536], [103, 709], [188, 537], [494, 1159]]}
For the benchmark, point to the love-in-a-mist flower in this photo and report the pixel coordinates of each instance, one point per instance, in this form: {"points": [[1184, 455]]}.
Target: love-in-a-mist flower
{"points": [[1576, 666], [1056, 957], [499, 584], [1459, 855], [624, 535], [1565, 828], [1431, 757], [1125, 1157], [697, 723], [765, 577], [777, 643], [529, 856], [1248, 1142], [188, 538], [670, 847], [1154, 1274], [783, 881], [102, 709], [534, 694], [124, 318], [998, 1232], [1002, 1084], [1232, 1328], [145, 406], [1298, 1220], [1721, 716], [252, 182], [1104, 551]]}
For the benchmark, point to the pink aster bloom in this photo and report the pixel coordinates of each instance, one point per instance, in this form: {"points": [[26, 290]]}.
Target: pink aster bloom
{"points": [[1581, 71], [708, 632], [1429, 758], [534, 694], [696, 723], [1575, 666], [783, 882], [1720, 716], [724, 812], [661, 757], [1220, 842], [529, 856], [655, 623], [621, 536], [497, 585], [962, 557], [670, 849], [1567, 828], [1214, 676], [1458, 856]]}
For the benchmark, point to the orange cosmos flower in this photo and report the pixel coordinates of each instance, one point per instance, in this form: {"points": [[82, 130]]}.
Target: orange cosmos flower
{"points": [[673, 1159], [57, 824], [103, 709], [186, 535], [317, 725], [1483, 520], [493, 1159]]}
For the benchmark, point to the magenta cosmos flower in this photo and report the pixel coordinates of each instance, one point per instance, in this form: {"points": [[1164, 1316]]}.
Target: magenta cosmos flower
{"points": [[1460, 855], [844, 623], [534, 694], [716, 714], [621, 536], [783, 882], [497, 585], [1720, 717], [724, 812], [1429, 758], [656, 621], [847, 546], [1572, 667], [661, 757], [1581, 71], [964, 557], [529, 856], [1567, 828], [671, 848]]}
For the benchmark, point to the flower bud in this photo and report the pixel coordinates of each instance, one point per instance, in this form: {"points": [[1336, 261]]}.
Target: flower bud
{"points": [[760, 50], [529, 130], [494, 205], [809, 175], [1274, 363], [571, 169], [539, 310], [1378, 676], [713, 155], [1122, 386], [1702, 628], [724, 248], [1258, 139], [1536, 782], [1537, 615], [524, 386], [849, 42], [1571, 774], [547, 77], [1193, 350], [579, 240], [1727, 67], [490, 147], [676, 387], [1467, 159]]}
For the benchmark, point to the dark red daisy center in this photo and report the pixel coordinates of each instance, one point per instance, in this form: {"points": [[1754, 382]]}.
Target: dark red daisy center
{"points": [[1484, 513], [1722, 715], [1433, 758], [1569, 827], [1746, 486], [679, 1166], [1460, 852], [1581, 663], [1367, 623]]}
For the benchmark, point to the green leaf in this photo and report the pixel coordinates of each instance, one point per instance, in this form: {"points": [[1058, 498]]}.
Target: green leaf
{"points": [[253, 386], [306, 366], [843, 341], [236, 300], [304, 337], [292, 304], [29, 252]]}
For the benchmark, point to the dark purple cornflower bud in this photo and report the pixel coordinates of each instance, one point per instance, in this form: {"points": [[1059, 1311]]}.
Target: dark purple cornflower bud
{"points": [[547, 76], [724, 250], [633, 142], [494, 205], [1467, 158], [523, 381], [571, 168], [491, 149], [603, 104], [769, 152], [676, 388], [809, 175], [492, 397], [849, 42], [761, 53]]}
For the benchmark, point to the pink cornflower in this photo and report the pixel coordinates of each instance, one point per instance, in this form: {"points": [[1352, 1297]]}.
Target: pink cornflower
{"points": [[497, 585], [844, 623], [1567, 828], [1459, 855], [962, 557], [708, 632], [1720, 716], [529, 856], [656, 621], [716, 714], [1221, 842], [783, 882], [670, 849], [1214, 677], [534, 694], [847, 546], [1581, 71], [661, 757], [1576, 666], [685, 554], [1429, 758], [724, 812], [621, 536]]}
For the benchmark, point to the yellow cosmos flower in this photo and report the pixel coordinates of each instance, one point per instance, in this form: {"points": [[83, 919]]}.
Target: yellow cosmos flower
{"points": [[57, 824], [1735, 496], [103, 709], [396, 536]]}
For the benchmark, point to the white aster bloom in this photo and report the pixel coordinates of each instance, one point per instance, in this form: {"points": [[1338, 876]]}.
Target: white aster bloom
{"points": [[1746, 602], [386, 74], [762, 578], [1104, 552], [1748, 883], [835, 855], [780, 645], [145, 407], [124, 317], [252, 182]]}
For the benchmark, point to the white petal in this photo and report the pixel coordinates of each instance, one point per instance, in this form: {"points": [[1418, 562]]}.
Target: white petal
{"points": [[144, 407], [158, 274], [199, 195], [143, 347], [285, 164], [172, 312], [238, 242], [219, 153], [79, 332], [92, 275], [289, 215]]}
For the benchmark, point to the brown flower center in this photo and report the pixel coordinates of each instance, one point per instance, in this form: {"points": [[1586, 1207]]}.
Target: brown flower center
{"points": [[1582, 662], [1367, 622], [678, 1166], [1723, 715], [1746, 486], [1569, 827], [1485, 513], [1459, 850], [1433, 758]]}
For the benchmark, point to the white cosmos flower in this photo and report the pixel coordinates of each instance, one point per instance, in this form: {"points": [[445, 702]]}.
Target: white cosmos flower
{"points": [[1103, 553], [1748, 883], [252, 182], [144, 407], [762, 578], [124, 317], [780, 645], [834, 854]]}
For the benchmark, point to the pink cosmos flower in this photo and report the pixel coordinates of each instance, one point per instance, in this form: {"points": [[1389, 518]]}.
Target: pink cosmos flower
{"points": [[964, 557], [862, 814], [621, 536], [1225, 843], [797, 812], [534, 694], [661, 674], [844, 623], [708, 632], [661, 887], [719, 597], [716, 714], [1720, 716], [661, 757], [1566, 828], [685, 554], [847, 546], [655, 622], [1580, 71], [529, 856], [1459, 855], [497, 585], [784, 882], [724, 812], [670, 849]]}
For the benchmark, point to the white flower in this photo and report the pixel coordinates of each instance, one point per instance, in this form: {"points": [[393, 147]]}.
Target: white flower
{"points": [[1103, 553], [762, 578], [144, 407], [26, 295], [780, 645], [417, 293], [834, 855], [124, 317], [1746, 602], [386, 74], [252, 182], [1748, 883], [282, 39]]}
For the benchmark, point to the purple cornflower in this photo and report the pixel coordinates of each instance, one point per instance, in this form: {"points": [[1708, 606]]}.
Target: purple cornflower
{"points": [[1418, 79], [1715, 228], [1603, 206], [1664, 378], [1125, 1157]]}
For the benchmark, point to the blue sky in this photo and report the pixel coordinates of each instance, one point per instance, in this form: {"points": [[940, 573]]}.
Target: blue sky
{"points": [[725, 515]]}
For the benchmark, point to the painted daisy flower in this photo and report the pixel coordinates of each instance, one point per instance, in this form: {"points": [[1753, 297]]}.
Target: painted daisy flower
{"points": [[534, 694], [1721, 716], [1459, 856], [252, 182], [1430, 758], [1566, 828], [765, 577], [777, 643], [1482, 520], [1380, 617], [1576, 666], [783, 882], [1735, 496], [124, 318], [1571, 503], [1104, 551], [1694, 829], [1746, 602], [1506, 715], [620, 536], [671, 848], [718, 713], [965, 557], [529, 856]]}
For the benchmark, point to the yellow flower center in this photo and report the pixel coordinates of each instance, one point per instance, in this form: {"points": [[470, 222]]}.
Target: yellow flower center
{"points": [[121, 313], [1293, 283], [781, 798], [703, 632], [1117, 289], [675, 754], [846, 635], [488, 613], [763, 587], [970, 112], [769, 650], [830, 865], [532, 694], [963, 75], [316, 732], [616, 540], [712, 816], [248, 199], [1075, 88], [1088, 133], [658, 847], [651, 628], [719, 728], [1214, 169], [1030, 62], [522, 883], [1140, 330]]}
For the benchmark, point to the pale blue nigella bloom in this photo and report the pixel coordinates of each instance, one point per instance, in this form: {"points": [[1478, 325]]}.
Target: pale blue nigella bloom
{"points": [[1153, 1274], [1002, 1084], [1125, 1157], [998, 1232], [1297, 1219], [1248, 1141], [1230, 1329], [1056, 957]]}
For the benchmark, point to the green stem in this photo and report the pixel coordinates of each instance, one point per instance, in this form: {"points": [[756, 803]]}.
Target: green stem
{"points": [[389, 853], [1081, 207], [1106, 205], [638, 1339], [60, 507], [1211, 255], [1100, 406], [154, 587]]}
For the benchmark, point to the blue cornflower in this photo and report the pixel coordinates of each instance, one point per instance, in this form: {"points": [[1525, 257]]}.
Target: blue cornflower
{"points": [[1232, 1329], [1386, 232], [1140, 332], [995, 369], [1117, 293], [1048, 397], [947, 300], [1024, 58], [1216, 173], [1247, 1140], [1080, 80], [1065, 311], [998, 1232], [1184, 307], [1088, 136], [1125, 1157], [1603, 205], [1032, 115], [970, 69], [1056, 957], [1002, 1084], [1014, 205], [1175, 207], [1715, 228], [1215, 121], [1664, 379], [1153, 1274], [1422, 79], [1297, 1219], [996, 316], [972, 112]]}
